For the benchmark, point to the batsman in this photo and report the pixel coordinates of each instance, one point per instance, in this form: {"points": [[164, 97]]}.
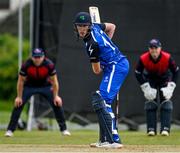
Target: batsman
{"points": [[157, 73], [104, 57]]}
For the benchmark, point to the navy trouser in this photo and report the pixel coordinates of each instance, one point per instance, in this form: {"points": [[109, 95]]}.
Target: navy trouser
{"points": [[48, 94]]}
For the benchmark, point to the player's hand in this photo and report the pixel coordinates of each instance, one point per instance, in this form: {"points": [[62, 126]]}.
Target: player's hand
{"points": [[151, 95], [149, 92], [18, 102], [57, 101], [168, 91]]}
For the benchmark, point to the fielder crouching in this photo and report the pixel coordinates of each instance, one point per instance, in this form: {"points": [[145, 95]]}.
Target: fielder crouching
{"points": [[157, 73], [37, 76]]}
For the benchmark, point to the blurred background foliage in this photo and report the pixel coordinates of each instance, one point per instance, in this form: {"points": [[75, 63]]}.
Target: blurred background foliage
{"points": [[9, 64], [9, 53]]}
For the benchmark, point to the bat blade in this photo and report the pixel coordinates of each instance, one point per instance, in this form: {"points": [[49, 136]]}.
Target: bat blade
{"points": [[94, 13]]}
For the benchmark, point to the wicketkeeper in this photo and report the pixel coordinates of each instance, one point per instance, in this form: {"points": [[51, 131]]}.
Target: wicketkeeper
{"points": [[157, 73], [37, 76], [104, 57]]}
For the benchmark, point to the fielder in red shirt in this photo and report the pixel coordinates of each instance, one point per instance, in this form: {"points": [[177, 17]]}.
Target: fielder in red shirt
{"points": [[37, 76]]}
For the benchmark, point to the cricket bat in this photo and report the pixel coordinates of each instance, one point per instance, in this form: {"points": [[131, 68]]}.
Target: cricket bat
{"points": [[94, 13]]}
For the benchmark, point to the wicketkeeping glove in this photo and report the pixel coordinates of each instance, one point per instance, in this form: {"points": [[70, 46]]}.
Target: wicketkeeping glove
{"points": [[168, 91], [149, 93]]}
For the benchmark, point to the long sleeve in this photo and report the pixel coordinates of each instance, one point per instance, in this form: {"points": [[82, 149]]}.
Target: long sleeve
{"points": [[139, 72], [174, 69]]}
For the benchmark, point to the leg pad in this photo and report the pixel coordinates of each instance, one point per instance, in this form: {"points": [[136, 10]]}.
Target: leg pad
{"points": [[104, 118], [151, 115], [166, 108]]}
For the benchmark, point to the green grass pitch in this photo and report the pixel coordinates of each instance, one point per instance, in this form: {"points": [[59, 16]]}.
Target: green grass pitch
{"points": [[85, 137], [53, 141]]}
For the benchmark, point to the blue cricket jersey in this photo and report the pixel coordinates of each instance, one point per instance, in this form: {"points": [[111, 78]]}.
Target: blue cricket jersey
{"points": [[115, 66], [100, 48]]}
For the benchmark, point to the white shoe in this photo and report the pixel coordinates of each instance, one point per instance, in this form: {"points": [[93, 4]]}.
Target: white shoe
{"points": [[151, 133], [9, 133], [110, 145], [165, 133], [115, 145], [66, 133]]}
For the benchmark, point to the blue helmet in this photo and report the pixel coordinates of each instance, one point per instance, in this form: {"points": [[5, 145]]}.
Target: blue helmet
{"points": [[82, 18]]}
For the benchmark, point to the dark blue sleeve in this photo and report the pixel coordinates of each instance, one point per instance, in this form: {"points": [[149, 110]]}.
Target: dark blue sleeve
{"points": [[23, 70], [139, 72], [51, 67], [174, 69], [93, 52]]}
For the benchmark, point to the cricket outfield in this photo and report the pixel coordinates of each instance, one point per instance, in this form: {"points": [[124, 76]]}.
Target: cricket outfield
{"points": [[52, 141]]}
